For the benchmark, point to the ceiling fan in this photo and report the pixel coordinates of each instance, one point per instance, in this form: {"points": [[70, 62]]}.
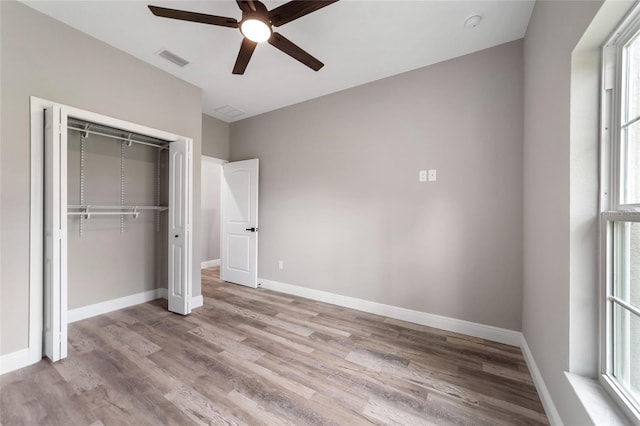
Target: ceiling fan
{"points": [[255, 27]]}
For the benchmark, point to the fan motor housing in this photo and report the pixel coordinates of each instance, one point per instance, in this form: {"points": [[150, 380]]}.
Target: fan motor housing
{"points": [[261, 13]]}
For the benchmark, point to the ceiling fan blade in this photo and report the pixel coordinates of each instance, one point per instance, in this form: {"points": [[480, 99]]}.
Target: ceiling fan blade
{"points": [[279, 41], [243, 5], [184, 15], [295, 9], [246, 50]]}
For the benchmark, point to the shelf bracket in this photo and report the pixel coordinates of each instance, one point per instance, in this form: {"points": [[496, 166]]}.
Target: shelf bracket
{"points": [[85, 134], [122, 184]]}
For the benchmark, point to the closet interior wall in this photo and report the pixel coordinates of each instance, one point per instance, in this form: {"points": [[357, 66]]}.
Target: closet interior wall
{"points": [[103, 262]]}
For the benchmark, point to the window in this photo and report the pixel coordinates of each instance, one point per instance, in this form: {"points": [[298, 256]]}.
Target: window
{"points": [[620, 218]]}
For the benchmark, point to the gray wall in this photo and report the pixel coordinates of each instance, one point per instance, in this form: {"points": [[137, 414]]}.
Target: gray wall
{"points": [[215, 147], [44, 58], [341, 205], [104, 264], [553, 32], [210, 201], [215, 137]]}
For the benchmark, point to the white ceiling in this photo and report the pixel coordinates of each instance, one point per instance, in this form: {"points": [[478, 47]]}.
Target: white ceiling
{"points": [[358, 41]]}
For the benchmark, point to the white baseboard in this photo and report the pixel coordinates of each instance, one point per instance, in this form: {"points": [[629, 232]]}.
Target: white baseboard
{"points": [[209, 263], [22, 358], [163, 293], [197, 301], [14, 360], [84, 312], [496, 334], [123, 302], [19, 359], [543, 392]]}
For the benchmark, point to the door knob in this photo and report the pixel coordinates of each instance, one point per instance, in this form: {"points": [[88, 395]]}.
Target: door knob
{"points": [[252, 229]]}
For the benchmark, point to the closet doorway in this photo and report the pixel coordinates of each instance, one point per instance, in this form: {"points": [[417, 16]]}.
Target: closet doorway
{"points": [[169, 209]]}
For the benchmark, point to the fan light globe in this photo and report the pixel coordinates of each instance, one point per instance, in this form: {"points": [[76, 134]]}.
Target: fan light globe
{"points": [[255, 30]]}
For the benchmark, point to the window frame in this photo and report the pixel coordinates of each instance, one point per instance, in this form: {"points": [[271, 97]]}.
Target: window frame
{"points": [[612, 211]]}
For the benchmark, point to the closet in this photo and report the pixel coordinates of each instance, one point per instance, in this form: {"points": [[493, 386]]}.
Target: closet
{"points": [[117, 198], [117, 219]]}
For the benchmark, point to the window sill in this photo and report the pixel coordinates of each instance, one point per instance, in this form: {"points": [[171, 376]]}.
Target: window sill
{"points": [[599, 406]]}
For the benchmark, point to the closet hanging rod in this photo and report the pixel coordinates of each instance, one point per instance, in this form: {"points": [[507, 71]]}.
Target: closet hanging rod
{"points": [[93, 132], [101, 213], [92, 207]]}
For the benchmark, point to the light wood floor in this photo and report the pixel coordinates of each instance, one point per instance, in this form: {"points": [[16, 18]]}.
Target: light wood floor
{"points": [[258, 357]]}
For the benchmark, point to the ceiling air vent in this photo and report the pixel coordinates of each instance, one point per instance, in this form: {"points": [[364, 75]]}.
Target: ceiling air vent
{"points": [[229, 111], [172, 57]]}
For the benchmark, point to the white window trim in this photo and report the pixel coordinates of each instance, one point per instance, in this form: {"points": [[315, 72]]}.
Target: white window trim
{"points": [[610, 207], [607, 220]]}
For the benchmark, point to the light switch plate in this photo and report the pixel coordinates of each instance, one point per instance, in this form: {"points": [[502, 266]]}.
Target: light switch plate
{"points": [[432, 175]]}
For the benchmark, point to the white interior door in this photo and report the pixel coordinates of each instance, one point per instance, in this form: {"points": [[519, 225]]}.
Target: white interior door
{"points": [[55, 230], [239, 236], [180, 219]]}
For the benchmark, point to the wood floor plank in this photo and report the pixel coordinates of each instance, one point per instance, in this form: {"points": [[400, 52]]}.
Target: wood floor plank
{"points": [[150, 371], [229, 346], [262, 318], [211, 384], [279, 304], [510, 373], [79, 376], [312, 325], [258, 357], [382, 412], [217, 328], [339, 395], [270, 375], [270, 337], [262, 416], [199, 408]]}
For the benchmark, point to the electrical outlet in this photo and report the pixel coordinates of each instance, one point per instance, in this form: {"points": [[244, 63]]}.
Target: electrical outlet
{"points": [[280, 264], [422, 176]]}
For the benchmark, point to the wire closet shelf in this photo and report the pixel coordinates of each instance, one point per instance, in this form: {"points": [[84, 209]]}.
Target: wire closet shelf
{"points": [[126, 138], [88, 128]]}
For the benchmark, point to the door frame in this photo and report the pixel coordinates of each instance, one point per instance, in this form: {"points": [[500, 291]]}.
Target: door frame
{"points": [[208, 263], [36, 214]]}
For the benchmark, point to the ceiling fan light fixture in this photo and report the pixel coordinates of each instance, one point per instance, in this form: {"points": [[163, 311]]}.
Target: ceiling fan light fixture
{"points": [[255, 27], [255, 30]]}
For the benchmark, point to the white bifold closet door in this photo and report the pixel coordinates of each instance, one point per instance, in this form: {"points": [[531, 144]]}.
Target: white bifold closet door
{"points": [[55, 230], [55, 224], [180, 195]]}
